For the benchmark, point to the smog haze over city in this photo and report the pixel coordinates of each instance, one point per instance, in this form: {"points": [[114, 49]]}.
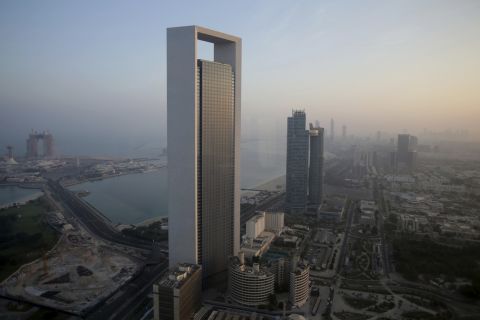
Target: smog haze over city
{"points": [[96, 71], [246, 160]]}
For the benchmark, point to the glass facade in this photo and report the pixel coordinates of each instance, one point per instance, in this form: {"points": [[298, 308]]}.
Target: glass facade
{"points": [[216, 165], [403, 145], [297, 163], [315, 179]]}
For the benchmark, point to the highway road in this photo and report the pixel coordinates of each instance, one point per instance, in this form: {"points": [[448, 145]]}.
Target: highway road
{"points": [[462, 307], [93, 221], [380, 226], [343, 249], [129, 296]]}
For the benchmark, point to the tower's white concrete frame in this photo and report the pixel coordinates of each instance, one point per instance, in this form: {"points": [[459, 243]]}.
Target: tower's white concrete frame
{"points": [[182, 121]]}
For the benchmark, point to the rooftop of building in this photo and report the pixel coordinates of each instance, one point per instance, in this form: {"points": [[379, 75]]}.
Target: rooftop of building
{"points": [[298, 113], [256, 217], [263, 238], [177, 276], [255, 269]]}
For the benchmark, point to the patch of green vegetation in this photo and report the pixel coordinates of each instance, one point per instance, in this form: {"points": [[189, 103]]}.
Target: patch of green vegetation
{"points": [[420, 315], [382, 307], [151, 232], [351, 316], [18, 306], [427, 303], [390, 225], [24, 235], [358, 303], [424, 257]]}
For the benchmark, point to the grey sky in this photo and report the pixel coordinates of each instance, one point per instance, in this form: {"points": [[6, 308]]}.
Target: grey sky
{"points": [[93, 72]]}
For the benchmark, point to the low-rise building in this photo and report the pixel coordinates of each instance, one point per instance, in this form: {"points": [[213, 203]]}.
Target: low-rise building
{"points": [[258, 246], [261, 230], [412, 223], [274, 221], [299, 283], [279, 267], [255, 225], [177, 295], [331, 210], [249, 285]]}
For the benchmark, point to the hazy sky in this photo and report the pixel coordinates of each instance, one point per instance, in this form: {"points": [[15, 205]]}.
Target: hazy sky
{"points": [[94, 71]]}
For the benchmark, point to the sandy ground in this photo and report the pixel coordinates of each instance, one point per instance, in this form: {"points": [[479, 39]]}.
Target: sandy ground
{"points": [[72, 276]]}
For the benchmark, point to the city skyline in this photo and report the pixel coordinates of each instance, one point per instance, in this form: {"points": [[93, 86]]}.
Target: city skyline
{"points": [[213, 211], [398, 60]]}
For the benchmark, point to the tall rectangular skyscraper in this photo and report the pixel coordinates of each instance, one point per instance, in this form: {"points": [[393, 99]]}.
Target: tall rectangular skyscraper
{"points": [[203, 104], [407, 150], [315, 176], [332, 130], [297, 163], [403, 146]]}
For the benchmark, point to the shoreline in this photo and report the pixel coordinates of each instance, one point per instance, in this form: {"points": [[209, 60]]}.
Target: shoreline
{"points": [[21, 185], [23, 200], [271, 185], [68, 185], [149, 221], [268, 185]]}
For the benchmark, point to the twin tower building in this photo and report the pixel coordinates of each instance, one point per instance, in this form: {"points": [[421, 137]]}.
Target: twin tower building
{"points": [[304, 165]]}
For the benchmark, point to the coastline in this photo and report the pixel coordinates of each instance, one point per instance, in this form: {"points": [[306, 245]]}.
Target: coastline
{"points": [[24, 199], [267, 185], [149, 221], [22, 185], [271, 185], [77, 182], [122, 216]]}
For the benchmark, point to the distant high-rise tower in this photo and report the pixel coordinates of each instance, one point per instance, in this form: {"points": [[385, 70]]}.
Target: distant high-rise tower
{"points": [[403, 146], [332, 129], [9, 158], [407, 150], [203, 104], [47, 145], [413, 143], [9, 152], [344, 132], [297, 163], [32, 144], [32, 147], [315, 179]]}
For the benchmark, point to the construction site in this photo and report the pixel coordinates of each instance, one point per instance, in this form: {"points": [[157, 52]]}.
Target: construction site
{"points": [[75, 275]]}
